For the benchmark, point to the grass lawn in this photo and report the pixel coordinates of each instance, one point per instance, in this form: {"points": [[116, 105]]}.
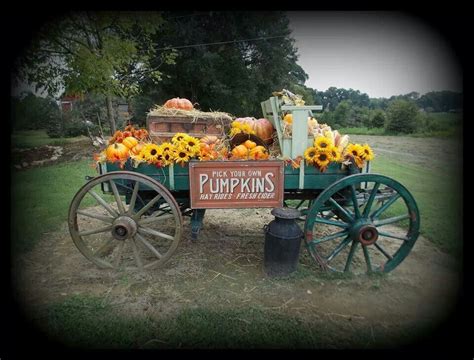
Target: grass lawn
{"points": [[34, 138]]}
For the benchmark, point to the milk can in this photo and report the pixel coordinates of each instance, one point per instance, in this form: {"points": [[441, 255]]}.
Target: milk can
{"points": [[282, 242]]}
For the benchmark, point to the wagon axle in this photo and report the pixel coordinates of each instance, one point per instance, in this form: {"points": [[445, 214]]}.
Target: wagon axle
{"points": [[124, 227]]}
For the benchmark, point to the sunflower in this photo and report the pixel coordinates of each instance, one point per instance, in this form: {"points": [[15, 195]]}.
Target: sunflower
{"points": [[367, 153], [335, 154], [322, 159], [178, 137], [323, 142], [151, 152], [354, 150], [168, 158], [310, 155], [181, 155], [192, 145], [166, 147]]}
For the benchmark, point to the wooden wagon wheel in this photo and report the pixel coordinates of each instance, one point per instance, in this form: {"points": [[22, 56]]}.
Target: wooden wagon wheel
{"points": [[112, 234], [376, 225]]}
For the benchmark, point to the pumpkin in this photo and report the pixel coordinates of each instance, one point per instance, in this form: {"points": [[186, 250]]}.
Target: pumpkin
{"points": [[262, 127], [130, 142], [137, 149], [116, 152], [258, 152], [240, 151], [177, 103], [288, 119], [249, 144], [210, 139]]}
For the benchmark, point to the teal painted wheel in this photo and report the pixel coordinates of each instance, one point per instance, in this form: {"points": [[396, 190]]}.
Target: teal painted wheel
{"points": [[372, 226]]}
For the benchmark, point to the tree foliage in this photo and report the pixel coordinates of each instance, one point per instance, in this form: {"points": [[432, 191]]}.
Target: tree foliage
{"points": [[402, 117], [250, 55], [30, 112]]}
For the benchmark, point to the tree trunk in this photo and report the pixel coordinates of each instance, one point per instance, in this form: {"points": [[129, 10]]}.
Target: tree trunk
{"points": [[110, 113]]}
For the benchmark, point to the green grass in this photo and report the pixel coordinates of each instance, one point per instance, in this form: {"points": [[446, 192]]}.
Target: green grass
{"points": [[34, 138], [361, 131], [438, 196], [40, 199], [89, 322]]}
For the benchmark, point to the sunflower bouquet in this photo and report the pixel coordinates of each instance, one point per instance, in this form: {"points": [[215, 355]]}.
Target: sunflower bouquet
{"points": [[327, 149]]}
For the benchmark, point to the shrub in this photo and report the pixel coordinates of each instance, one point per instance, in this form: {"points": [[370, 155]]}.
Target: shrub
{"points": [[401, 117]]}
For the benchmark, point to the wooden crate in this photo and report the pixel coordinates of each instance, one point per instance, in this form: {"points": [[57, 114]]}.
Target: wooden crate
{"points": [[162, 128]]}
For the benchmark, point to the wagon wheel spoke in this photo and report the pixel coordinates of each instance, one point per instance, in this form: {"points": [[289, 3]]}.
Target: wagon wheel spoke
{"points": [[391, 220], [149, 246], [103, 239], [104, 203], [355, 202], [383, 251], [152, 219], [95, 231], [331, 222], [145, 230], [385, 206], [106, 248], [393, 236], [103, 218], [346, 214], [117, 197], [147, 207], [339, 248], [133, 199], [386, 232], [136, 255], [350, 256], [329, 237], [118, 255], [370, 201], [367, 258]]}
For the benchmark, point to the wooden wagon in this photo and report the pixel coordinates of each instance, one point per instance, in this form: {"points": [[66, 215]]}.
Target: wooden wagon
{"points": [[133, 217]]}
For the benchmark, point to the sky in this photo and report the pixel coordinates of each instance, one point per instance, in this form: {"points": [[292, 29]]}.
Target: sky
{"points": [[379, 53]]}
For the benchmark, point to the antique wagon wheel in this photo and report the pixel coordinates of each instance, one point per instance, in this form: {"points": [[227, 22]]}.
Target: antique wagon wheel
{"points": [[376, 225], [112, 234]]}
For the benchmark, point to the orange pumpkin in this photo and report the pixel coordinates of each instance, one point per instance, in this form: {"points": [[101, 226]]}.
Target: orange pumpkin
{"points": [[249, 144], [130, 142], [137, 149], [240, 151], [116, 152], [258, 153], [177, 103], [262, 127]]}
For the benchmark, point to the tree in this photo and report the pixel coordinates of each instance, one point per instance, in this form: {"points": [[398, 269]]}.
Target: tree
{"points": [[402, 117], [342, 113], [31, 112], [377, 119], [229, 61], [105, 53]]}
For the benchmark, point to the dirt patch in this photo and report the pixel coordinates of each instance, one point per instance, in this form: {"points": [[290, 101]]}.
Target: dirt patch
{"points": [[79, 149], [224, 269]]}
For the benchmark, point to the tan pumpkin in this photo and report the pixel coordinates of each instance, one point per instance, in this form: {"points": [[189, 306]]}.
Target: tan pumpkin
{"points": [[210, 139], [177, 103], [262, 127], [116, 152], [130, 142]]}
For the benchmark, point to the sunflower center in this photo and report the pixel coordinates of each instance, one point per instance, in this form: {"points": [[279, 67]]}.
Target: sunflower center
{"points": [[191, 143], [182, 154], [153, 152], [323, 157], [354, 152], [312, 153], [323, 145]]}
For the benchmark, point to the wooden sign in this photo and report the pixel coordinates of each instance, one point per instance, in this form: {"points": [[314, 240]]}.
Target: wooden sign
{"points": [[236, 184]]}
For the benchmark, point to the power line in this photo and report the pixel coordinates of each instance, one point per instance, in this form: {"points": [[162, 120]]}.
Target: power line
{"points": [[221, 42]]}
